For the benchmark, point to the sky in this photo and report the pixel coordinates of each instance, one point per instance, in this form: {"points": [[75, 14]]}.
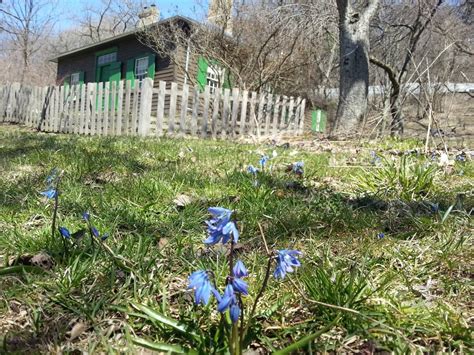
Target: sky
{"points": [[190, 8]]}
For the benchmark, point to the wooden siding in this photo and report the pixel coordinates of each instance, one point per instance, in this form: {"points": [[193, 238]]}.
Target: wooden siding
{"points": [[127, 48]]}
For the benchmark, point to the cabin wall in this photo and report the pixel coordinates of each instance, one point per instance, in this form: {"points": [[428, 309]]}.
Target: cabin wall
{"points": [[127, 48]]}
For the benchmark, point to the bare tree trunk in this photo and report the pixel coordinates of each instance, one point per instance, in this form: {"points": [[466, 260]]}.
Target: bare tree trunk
{"points": [[354, 65]]}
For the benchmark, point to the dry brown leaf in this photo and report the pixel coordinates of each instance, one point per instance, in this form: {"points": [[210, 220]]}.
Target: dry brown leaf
{"points": [[77, 330]]}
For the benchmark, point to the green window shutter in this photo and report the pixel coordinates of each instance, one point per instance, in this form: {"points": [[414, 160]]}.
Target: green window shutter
{"points": [[202, 73], [151, 66], [115, 72], [130, 75], [67, 80], [81, 77]]}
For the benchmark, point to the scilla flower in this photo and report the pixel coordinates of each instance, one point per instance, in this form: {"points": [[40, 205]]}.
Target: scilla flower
{"points": [[298, 168], [49, 193], [220, 227], [240, 286], [287, 260], [239, 269], [65, 232], [200, 283], [263, 161], [229, 301], [252, 170]]}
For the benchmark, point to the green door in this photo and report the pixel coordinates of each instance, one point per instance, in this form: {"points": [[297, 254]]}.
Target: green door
{"points": [[318, 121], [109, 73]]}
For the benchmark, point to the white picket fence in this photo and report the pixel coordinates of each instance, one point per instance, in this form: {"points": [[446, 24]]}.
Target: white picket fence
{"points": [[118, 109]]}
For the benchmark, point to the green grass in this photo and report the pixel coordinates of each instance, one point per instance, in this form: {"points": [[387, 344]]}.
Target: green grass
{"points": [[409, 291]]}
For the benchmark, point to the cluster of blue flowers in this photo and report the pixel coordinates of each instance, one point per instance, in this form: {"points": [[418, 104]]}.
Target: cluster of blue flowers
{"points": [[287, 260], [298, 168], [50, 191], [222, 229], [375, 159], [86, 216]]}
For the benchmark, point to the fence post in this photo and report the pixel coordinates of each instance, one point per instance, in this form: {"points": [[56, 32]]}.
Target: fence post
{"points": [[302, 117], [144, 116]]}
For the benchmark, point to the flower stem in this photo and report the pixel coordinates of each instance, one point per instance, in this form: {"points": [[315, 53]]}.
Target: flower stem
{"points": [[259, 295], [56, 205]]}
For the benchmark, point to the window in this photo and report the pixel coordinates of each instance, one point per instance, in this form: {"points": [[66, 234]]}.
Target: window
{"points": [[75, 77], [141, 68], [107, 58], [214, 78]]}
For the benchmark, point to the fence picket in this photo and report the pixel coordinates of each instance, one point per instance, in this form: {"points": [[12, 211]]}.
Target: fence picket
{"points": [[215, 112], [194, 115], [135, 109], [119, 104], [144, 115], [172, 112], [184, 109], [113, 108], [268, 114], [160, 110], [235, 109], [205, 114], [253, 118], [243, 112], [128, 94], [276, 110]]}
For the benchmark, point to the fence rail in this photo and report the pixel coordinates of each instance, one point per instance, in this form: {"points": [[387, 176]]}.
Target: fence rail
{"points": [[118, 108]]}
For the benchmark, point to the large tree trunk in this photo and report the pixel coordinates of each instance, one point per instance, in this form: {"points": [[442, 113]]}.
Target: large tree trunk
{"points": [[354, 65]]}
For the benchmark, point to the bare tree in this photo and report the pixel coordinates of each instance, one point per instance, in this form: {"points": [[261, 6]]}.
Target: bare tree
{"points": [[274, 46], [354, 20], [401, 25], [25, 25]]}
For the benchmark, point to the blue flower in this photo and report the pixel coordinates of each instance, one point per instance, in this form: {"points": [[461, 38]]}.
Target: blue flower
{"points": [[200, 283], [86, 216], [229, 301], [95, 232], [220, 227], [52, 176], [104, 236], [50, 193], [252, 170], [381, 235], [240, 286], [298, 168], [263, 161], [286, 261], [461, 157], [234, 313], [65, 232], [239, 269], [375, 158]]}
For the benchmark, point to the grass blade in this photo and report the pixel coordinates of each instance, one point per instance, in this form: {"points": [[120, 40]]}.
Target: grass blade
{"points": [[305, 340], [174, 349], [154, 316], [447, 213], [19, 269]]}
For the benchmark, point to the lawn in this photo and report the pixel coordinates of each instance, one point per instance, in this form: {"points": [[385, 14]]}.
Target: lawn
{"points": [[386, 239]]}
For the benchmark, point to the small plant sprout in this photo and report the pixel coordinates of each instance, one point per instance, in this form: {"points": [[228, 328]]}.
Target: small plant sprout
{"points": [[223, 229]]}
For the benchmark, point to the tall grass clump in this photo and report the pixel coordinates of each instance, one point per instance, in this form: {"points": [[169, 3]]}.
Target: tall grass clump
{"points": [[405, 178]]}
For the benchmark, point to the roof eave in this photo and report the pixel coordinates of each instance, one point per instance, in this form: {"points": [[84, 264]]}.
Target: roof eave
{"points": [[122, 35]]}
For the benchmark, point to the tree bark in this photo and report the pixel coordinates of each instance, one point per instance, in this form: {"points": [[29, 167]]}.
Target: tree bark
{"points": [[354, 65]]}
